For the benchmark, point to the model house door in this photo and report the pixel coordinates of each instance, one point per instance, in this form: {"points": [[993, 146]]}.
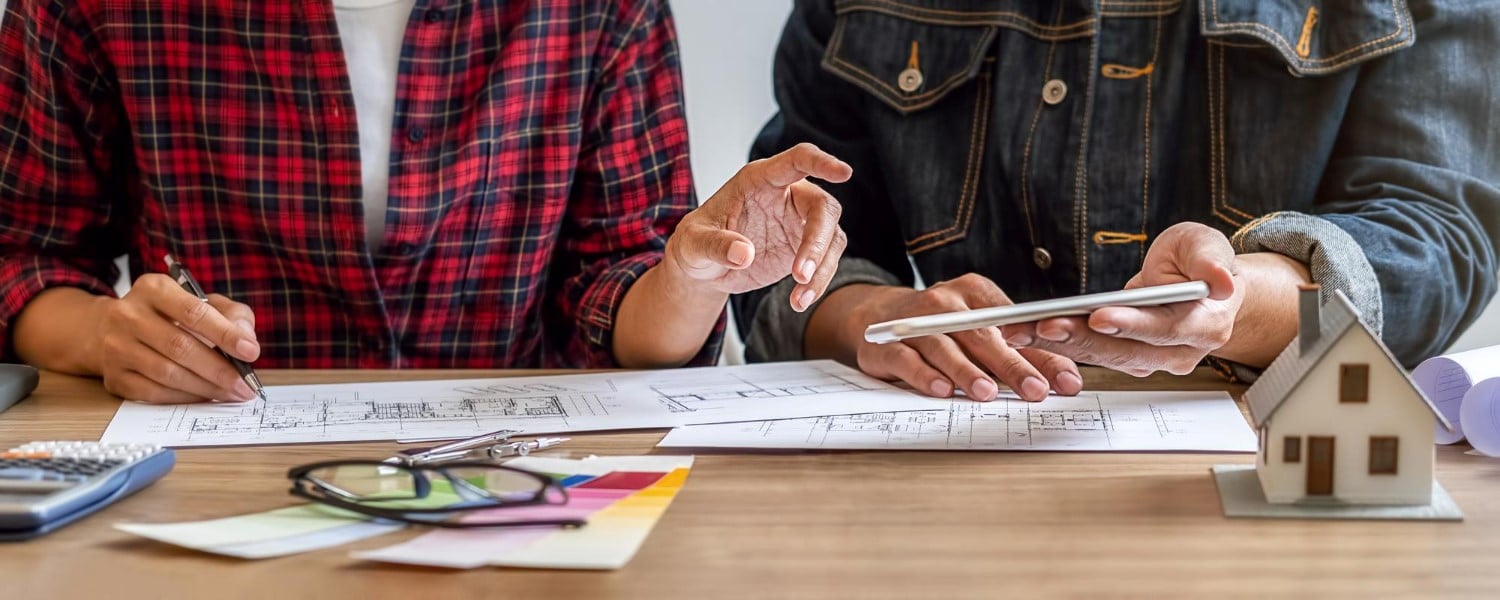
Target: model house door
{"points": [[1320, 466]]}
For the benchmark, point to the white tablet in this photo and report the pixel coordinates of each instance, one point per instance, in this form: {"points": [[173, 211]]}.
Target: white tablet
{"points": [[900, 329]]}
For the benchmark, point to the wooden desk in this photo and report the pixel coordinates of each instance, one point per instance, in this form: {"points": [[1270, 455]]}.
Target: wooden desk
{"points": [[813, 524]]}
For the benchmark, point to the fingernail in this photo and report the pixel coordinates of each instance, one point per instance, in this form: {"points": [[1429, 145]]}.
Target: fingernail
{"points": [[1019, 340], [1107, 329], [807, 270], [246, 348], [1034, 389], [242, 391], [805, 300], [1069, 381], [940, 388], [984, 390], [1056, 335], [739, 253]]}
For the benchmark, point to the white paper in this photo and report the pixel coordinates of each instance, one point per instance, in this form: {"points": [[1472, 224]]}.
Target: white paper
{"points": [[535, 405], [1091, 421], [1447, 379], [279, 532]]}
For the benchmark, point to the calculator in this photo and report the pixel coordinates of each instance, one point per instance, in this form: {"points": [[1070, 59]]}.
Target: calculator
{"points": [[46, 485]]}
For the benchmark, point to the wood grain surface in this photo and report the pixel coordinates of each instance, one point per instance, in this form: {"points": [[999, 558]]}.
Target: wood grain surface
{"points": [[795, 524]]}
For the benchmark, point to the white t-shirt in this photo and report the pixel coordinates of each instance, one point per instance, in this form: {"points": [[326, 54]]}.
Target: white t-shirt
{"points": [[372, 32]]}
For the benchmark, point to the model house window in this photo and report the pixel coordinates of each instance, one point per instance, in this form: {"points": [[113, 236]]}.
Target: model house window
{"points": [[1291, 449], [1354, 383], [1383, 455]]}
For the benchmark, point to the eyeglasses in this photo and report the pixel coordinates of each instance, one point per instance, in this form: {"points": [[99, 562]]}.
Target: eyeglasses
{"points": [[443, 495]]}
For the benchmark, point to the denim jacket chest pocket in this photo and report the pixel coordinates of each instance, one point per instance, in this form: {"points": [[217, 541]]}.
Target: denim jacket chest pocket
{"points": [[927, 67], [1279, 73]]}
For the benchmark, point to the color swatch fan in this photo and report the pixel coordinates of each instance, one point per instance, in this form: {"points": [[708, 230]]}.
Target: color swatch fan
{"points": [[621, 496]]}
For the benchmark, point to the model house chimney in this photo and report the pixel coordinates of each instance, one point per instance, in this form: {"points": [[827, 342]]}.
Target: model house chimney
{"points": [[1308, 320]]}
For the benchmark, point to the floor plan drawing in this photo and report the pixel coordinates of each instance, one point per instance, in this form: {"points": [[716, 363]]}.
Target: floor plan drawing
{"points": [[695, 393], [1091, 421], [535, 405]]}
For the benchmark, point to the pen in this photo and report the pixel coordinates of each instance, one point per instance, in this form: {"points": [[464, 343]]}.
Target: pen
{"points": [[180, 274]]}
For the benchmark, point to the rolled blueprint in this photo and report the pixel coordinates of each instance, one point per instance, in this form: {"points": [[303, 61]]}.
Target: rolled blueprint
{"points": [[1481, 416], [1446, 380]]}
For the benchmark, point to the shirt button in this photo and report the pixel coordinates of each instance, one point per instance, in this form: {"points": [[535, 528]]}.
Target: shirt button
{"points": [[909, 80], [406, 248], [434, 15], [1054, 92], [1041, 257], [416, 134]]}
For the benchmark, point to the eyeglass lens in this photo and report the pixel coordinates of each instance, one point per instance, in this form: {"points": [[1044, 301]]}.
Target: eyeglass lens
{"points": [[436, 486]]}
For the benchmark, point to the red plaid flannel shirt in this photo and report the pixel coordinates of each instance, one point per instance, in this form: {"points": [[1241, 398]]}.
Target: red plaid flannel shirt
{"points": [[539, 162]]}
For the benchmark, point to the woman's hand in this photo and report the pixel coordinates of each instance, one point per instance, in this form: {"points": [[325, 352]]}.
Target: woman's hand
{"points": [[156, 345]]}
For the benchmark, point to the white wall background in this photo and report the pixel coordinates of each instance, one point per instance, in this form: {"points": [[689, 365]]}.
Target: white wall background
{"points": [[726, 69]]}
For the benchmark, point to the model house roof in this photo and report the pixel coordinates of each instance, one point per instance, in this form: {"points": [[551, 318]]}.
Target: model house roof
{"points": [[1279, 380]]}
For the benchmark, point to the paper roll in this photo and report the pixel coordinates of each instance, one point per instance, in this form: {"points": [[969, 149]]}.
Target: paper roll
{"points": [[1481, 416], [1446, 379]]}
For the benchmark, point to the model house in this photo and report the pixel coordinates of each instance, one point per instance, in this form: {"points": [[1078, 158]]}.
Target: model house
{"points": [[1339, 419]]}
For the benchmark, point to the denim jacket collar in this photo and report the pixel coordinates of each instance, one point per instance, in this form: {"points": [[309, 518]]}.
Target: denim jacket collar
{"points": [[1317, 39]]}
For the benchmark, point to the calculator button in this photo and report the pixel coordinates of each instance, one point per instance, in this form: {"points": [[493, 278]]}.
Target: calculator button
{"points": [[22, 473]]}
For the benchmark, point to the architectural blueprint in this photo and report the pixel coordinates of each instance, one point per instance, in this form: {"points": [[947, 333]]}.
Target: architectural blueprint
{"points": [[458, 408], [1091, 421]]}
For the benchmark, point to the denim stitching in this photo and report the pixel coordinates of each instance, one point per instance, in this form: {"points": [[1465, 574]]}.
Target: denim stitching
{"points": [[1030, 137], [1144, 3], [1281, 42], [921, 14], [1146, 141], [1213, 133], [1237, 241], [904, 103], [1080, 180], [970, 188], [1223, 137], [1146, 8], [1218, 176]]}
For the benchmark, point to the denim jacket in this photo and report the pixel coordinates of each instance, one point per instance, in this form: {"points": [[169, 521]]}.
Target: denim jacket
{"points": [[1045, 144]]}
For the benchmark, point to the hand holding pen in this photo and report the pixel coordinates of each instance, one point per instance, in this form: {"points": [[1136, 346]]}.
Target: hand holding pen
{"points": [[162, 344]]}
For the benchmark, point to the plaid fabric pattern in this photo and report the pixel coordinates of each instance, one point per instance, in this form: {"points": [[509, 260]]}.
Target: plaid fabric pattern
{"points": [[539, 162]]}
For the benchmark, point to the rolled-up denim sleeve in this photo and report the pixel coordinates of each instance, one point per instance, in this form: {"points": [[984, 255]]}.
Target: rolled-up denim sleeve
{"points": [[1333, 257], [1413, 183], [777, 332]]}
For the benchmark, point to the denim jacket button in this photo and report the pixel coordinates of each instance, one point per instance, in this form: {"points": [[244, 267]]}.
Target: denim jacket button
{"points": [[1054, 91], [909, 80], [1041, 257]]}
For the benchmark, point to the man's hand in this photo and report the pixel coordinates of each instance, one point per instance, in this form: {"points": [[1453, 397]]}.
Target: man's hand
{"points": [[939, 364], [1173, 338], [157, 344], [767, 222]]}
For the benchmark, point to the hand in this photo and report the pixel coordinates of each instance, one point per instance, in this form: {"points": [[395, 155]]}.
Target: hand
{"points": [[937, 364], [156, 345], [766, 222], [1173, 338]]}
